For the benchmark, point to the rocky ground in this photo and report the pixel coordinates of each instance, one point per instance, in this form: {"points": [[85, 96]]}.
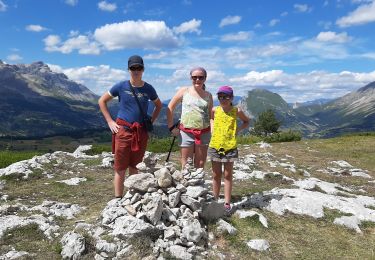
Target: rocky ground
{"points": [[60, 205]]}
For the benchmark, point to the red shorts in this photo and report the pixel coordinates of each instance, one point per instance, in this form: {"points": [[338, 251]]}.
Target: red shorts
{"points": [[124, 156]]}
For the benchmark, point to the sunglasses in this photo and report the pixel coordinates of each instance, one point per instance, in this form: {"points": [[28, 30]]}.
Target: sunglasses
{"points": [[198, 77], [224, 97], [138, 68]]}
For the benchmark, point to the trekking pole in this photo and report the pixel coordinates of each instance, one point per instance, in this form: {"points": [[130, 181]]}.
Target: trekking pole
{"points": [[174, 138], [170, 149]]}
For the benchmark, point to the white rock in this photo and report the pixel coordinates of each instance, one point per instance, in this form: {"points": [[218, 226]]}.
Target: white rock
{"points": [[258, 244]]}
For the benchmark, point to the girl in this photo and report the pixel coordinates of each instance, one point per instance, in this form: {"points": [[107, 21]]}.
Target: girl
{"points": [[223, 145]]}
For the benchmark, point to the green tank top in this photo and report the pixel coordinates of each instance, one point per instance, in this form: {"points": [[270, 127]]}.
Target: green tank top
{"points": [[194, 113], [224, 132]]}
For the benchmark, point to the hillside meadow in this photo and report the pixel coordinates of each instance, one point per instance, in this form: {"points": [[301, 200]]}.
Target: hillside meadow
{"points": [[290, 235]]}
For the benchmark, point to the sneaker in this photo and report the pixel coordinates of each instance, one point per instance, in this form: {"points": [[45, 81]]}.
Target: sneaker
{"points": [[227, 209]]}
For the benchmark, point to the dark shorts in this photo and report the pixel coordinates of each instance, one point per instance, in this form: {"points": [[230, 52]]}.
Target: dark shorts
{"points": [[124, 156], [229, 156]]}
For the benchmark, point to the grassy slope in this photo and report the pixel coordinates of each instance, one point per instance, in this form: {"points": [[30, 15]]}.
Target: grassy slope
{"points": [[290, 236]]}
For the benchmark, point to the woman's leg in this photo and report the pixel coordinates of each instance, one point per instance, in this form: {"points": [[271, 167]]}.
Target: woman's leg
{"points": [[132, 170], [186, 152], [118, 183], [228, 176], [216, 178], [200, 155]]}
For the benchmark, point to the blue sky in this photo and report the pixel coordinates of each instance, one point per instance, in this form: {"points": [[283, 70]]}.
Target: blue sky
{"points": [[302, 50]]}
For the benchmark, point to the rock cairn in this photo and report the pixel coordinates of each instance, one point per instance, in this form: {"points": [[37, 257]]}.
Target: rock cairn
{"points": [[169, 206]]}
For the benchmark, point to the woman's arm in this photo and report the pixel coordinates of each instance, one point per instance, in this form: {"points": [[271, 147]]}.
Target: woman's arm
{"points": [[107, 116], [157, 109], [172, 105], [245, 120]]}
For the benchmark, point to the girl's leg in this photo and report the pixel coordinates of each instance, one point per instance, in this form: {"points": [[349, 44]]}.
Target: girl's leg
{"points": [[118, 183], [228, 176], [216, 178], [200, 155], [186, 152]]}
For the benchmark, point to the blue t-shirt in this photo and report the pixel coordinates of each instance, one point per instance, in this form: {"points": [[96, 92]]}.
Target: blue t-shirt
{"points": [[129, 109]]}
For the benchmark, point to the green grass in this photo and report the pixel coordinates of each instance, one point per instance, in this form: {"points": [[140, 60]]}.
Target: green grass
{"points": [[155, 145], [290, 236], [31, 239], [9, 157]]}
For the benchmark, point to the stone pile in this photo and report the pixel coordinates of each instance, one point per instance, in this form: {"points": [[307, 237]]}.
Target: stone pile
{"points": [[169, 206]]}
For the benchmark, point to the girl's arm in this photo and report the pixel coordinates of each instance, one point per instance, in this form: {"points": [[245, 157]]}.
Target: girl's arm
{"points": [[212, 120], [245, 120]]}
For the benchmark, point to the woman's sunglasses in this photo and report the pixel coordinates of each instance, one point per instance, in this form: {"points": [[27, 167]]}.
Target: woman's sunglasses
{"points": [[138, 68], [197, 77]]}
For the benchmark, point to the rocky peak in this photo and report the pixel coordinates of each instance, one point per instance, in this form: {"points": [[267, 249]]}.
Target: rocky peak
{"points": [[35, 68], [367, 87]]}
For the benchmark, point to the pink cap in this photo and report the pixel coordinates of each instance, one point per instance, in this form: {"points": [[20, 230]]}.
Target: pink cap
{"points": [[225, 90]]}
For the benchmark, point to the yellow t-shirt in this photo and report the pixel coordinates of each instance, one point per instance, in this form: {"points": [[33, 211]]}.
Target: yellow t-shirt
{"points": [[224, 132]]}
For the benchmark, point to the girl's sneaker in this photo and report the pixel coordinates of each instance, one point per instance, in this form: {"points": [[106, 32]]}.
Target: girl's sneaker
{"points": [[227, 209]]}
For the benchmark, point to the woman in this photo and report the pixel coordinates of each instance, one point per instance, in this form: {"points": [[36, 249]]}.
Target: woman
{"points": [[194, 128], [129, 133]]}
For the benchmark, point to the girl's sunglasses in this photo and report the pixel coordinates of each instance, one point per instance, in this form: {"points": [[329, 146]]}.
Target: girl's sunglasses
{"points": [[226, 97]]}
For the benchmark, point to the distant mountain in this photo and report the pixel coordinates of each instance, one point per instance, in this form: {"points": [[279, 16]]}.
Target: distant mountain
{"points": [[351, 113], [259, 100], [310, 107], [34, 101]]}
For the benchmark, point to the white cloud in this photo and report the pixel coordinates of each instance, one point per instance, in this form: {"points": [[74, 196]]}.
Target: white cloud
{"points": [[81, 43], [51, 41], [273, 22], [369, 55], [321, 50], [14, 57], [136, 34], [362, 15], [190, 26], [230, 20], [240, 36], [98, 79], [303, 86], [71, 2], [325, 24], [283, 14], [35, 28], [333, 37], [302, 8], [3, 7], [108, 7]]}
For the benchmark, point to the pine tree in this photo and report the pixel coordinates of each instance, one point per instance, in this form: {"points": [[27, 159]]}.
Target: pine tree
{"points": [[266, 123]]}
